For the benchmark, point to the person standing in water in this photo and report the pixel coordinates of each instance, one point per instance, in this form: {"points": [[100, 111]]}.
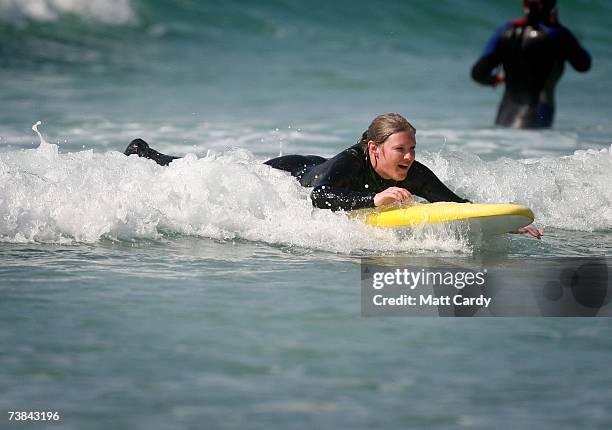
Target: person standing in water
{"points": [[532, 52], [379, 169]]}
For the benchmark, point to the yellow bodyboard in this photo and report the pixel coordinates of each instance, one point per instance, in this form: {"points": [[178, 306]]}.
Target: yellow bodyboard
{"points": [[504, 217]]}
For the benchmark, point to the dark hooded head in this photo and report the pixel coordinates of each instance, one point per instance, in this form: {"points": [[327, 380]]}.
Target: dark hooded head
{"points": [[539, 10]]}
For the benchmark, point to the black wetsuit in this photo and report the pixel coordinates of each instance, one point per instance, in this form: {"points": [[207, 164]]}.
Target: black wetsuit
{"points": [[348, 181], [344, 182], [533, 56]]}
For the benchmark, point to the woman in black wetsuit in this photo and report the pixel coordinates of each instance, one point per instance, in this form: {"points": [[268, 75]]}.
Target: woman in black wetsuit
{"points": [[532, 51], [380, 169]]}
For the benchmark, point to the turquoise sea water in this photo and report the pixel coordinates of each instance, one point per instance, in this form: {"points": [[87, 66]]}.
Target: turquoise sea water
{"points": [[209, 294]]}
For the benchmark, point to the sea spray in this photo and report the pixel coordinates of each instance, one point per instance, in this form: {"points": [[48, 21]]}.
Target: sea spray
{"points": [[86, 196], [226, 195], [115, 12]]}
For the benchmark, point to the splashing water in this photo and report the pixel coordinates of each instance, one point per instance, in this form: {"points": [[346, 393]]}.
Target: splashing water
{"points": [[104, 11], [84, 196], [51, 197]]}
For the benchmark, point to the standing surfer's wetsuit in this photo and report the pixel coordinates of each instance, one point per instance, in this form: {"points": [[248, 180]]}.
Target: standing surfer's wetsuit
{"points": [[532, 53], [345, 182]]}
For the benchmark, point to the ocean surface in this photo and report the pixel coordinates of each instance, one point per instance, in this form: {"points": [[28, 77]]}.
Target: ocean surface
{"points": [[209, 293]]}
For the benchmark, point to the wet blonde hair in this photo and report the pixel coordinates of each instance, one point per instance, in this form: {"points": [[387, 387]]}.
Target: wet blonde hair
{"points": [[384, 126]]}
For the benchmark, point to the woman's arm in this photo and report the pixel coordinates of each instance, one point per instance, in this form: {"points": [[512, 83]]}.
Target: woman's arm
{"points": [[335, 198], [338, 184], [424, 183]]}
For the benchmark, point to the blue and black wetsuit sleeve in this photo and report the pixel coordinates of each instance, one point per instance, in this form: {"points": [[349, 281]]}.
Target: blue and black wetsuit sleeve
{"points": [[424, 183], [490, 59], [336, 185], [574, 53]]}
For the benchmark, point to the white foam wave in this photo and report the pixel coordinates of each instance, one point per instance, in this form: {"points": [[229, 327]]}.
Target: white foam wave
{"points": [[197, 138], [46, 196], [570, 192], [106, 11], [493, 142]]}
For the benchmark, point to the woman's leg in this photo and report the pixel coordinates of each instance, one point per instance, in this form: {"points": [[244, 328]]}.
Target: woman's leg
{"points": [[142, 149], [297, 165]]}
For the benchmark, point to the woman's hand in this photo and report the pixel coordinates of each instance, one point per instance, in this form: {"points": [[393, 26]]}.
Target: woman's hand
{"points": [[392, 195], [531, 230]]}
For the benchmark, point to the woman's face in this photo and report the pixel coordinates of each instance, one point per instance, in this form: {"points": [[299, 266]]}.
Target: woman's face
{"points": [[392, 159]]}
